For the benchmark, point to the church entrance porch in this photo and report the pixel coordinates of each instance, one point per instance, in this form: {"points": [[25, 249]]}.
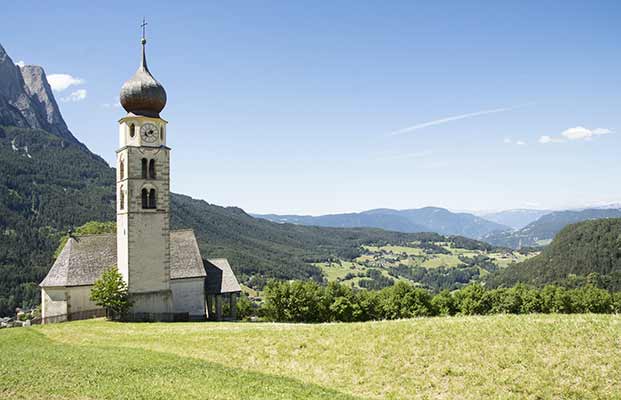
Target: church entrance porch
{"points": [[222, 307]]}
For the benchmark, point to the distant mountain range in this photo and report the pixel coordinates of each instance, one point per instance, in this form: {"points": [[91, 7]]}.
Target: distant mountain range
{"points": [[517, 218], [536, 227], [427, 219], [543, 230]]}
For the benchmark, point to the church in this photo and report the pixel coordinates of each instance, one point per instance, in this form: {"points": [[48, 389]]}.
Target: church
{"points": [[166, 274]]}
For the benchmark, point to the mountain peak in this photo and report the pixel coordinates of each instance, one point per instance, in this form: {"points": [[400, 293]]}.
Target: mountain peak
{"points": [[27, 101]]}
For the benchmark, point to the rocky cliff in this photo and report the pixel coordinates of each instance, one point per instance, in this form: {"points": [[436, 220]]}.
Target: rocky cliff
{"points": [[26, 99]]}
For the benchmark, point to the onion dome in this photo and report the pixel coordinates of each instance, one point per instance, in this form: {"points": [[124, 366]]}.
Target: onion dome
{"points": [[142, 94]]}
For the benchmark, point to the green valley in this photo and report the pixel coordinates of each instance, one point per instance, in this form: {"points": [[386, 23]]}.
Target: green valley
{"points": [[434, 262]]}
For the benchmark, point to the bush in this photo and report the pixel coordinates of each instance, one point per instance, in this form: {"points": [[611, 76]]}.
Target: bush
{"points": [[110, 292]]}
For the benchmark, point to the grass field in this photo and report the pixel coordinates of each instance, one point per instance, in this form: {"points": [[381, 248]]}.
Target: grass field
{"points": [[508, 357]]}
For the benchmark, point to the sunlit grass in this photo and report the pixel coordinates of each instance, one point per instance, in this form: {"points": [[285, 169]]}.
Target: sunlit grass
{"points": [[513, 357]]}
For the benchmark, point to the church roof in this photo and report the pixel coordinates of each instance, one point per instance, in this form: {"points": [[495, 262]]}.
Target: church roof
{"points": [[84, 258], [220, 277], [185, 257]]}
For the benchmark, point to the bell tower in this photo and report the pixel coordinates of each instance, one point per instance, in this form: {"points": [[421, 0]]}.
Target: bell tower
{"points": [[143, 192]]}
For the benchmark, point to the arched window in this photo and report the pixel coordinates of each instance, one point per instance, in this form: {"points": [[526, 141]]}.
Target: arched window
{"points": [[121, 198], [122, 169], [144, 168], [132, 130], [145, 198], [152, 169], [152, 199]]}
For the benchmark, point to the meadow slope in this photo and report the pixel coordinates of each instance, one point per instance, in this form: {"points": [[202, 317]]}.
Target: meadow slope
{"points": [[504, 356]]}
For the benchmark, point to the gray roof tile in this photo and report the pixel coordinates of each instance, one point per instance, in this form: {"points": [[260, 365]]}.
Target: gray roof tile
{"points": [[220, 277], [84, 258]]}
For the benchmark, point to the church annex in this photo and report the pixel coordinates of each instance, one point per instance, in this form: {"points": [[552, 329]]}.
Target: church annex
{"points": [[164, 270]]}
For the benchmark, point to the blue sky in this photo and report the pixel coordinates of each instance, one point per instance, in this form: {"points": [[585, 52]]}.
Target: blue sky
{"points": [[319, 107]]}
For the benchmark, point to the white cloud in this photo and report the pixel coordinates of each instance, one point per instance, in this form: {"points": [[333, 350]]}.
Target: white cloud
{"points": [[520, 143], [452, 118], [576, 133], [580, 132], [111, 105], [60, 82], [549, 139], [20, 63], [76, 96], [507, 140]]}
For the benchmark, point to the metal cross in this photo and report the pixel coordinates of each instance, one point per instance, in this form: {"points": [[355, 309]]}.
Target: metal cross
{"points": [[143, 25]]}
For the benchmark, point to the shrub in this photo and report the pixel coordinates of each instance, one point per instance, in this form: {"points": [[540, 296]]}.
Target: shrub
{"points": [[444, 303], [110, 292], [473, 299]]}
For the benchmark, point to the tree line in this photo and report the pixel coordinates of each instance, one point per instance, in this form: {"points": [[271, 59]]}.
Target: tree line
{"points": [[308, 301]]}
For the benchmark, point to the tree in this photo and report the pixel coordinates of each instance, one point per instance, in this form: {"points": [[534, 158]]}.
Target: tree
{"points": [[110, 292]]}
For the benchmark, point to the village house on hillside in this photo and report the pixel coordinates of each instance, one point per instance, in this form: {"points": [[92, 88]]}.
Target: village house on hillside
{"points": [[166, 274]]}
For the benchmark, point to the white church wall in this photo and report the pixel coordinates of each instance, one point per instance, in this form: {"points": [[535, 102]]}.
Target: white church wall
{"points": [[189, 296], [78, 298], [152, 302], [53, 302]]}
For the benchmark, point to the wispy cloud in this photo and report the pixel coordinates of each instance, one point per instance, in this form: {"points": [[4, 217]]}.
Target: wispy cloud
{"points": [[20, 63], [577, 133], [60, 82], [508, 140], [76, 96], [418, 154], [111, 105], [453, 118]]}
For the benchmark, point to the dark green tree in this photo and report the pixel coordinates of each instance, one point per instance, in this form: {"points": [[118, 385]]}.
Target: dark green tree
{"points": [[110, 292]]}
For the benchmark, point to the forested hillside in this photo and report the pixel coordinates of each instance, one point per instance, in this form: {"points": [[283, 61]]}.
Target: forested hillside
{"points": [[586, 252], [47, 186]]}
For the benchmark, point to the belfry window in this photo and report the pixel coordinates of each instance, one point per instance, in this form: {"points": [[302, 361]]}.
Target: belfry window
{"points": [[149, 199], [145, 198], [132, 130], [152, 199], [144, 168], [152, 169]]}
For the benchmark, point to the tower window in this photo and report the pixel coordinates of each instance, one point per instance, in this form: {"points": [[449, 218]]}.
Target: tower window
{"points": [[152, 169], [132, 130], [149, 199], [152, 199], [122, 169], [121, 198], [145, 198], [144, 168]]}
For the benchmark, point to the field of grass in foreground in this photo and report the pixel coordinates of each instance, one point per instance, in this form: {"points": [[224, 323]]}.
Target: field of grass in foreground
{"points": [[503, 356]]}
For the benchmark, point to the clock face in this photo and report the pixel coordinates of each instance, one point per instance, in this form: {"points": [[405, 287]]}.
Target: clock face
{"points": [[149, 133]]}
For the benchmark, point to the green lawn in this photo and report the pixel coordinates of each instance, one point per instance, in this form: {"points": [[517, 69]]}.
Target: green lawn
{"points": [[509, 357]]}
